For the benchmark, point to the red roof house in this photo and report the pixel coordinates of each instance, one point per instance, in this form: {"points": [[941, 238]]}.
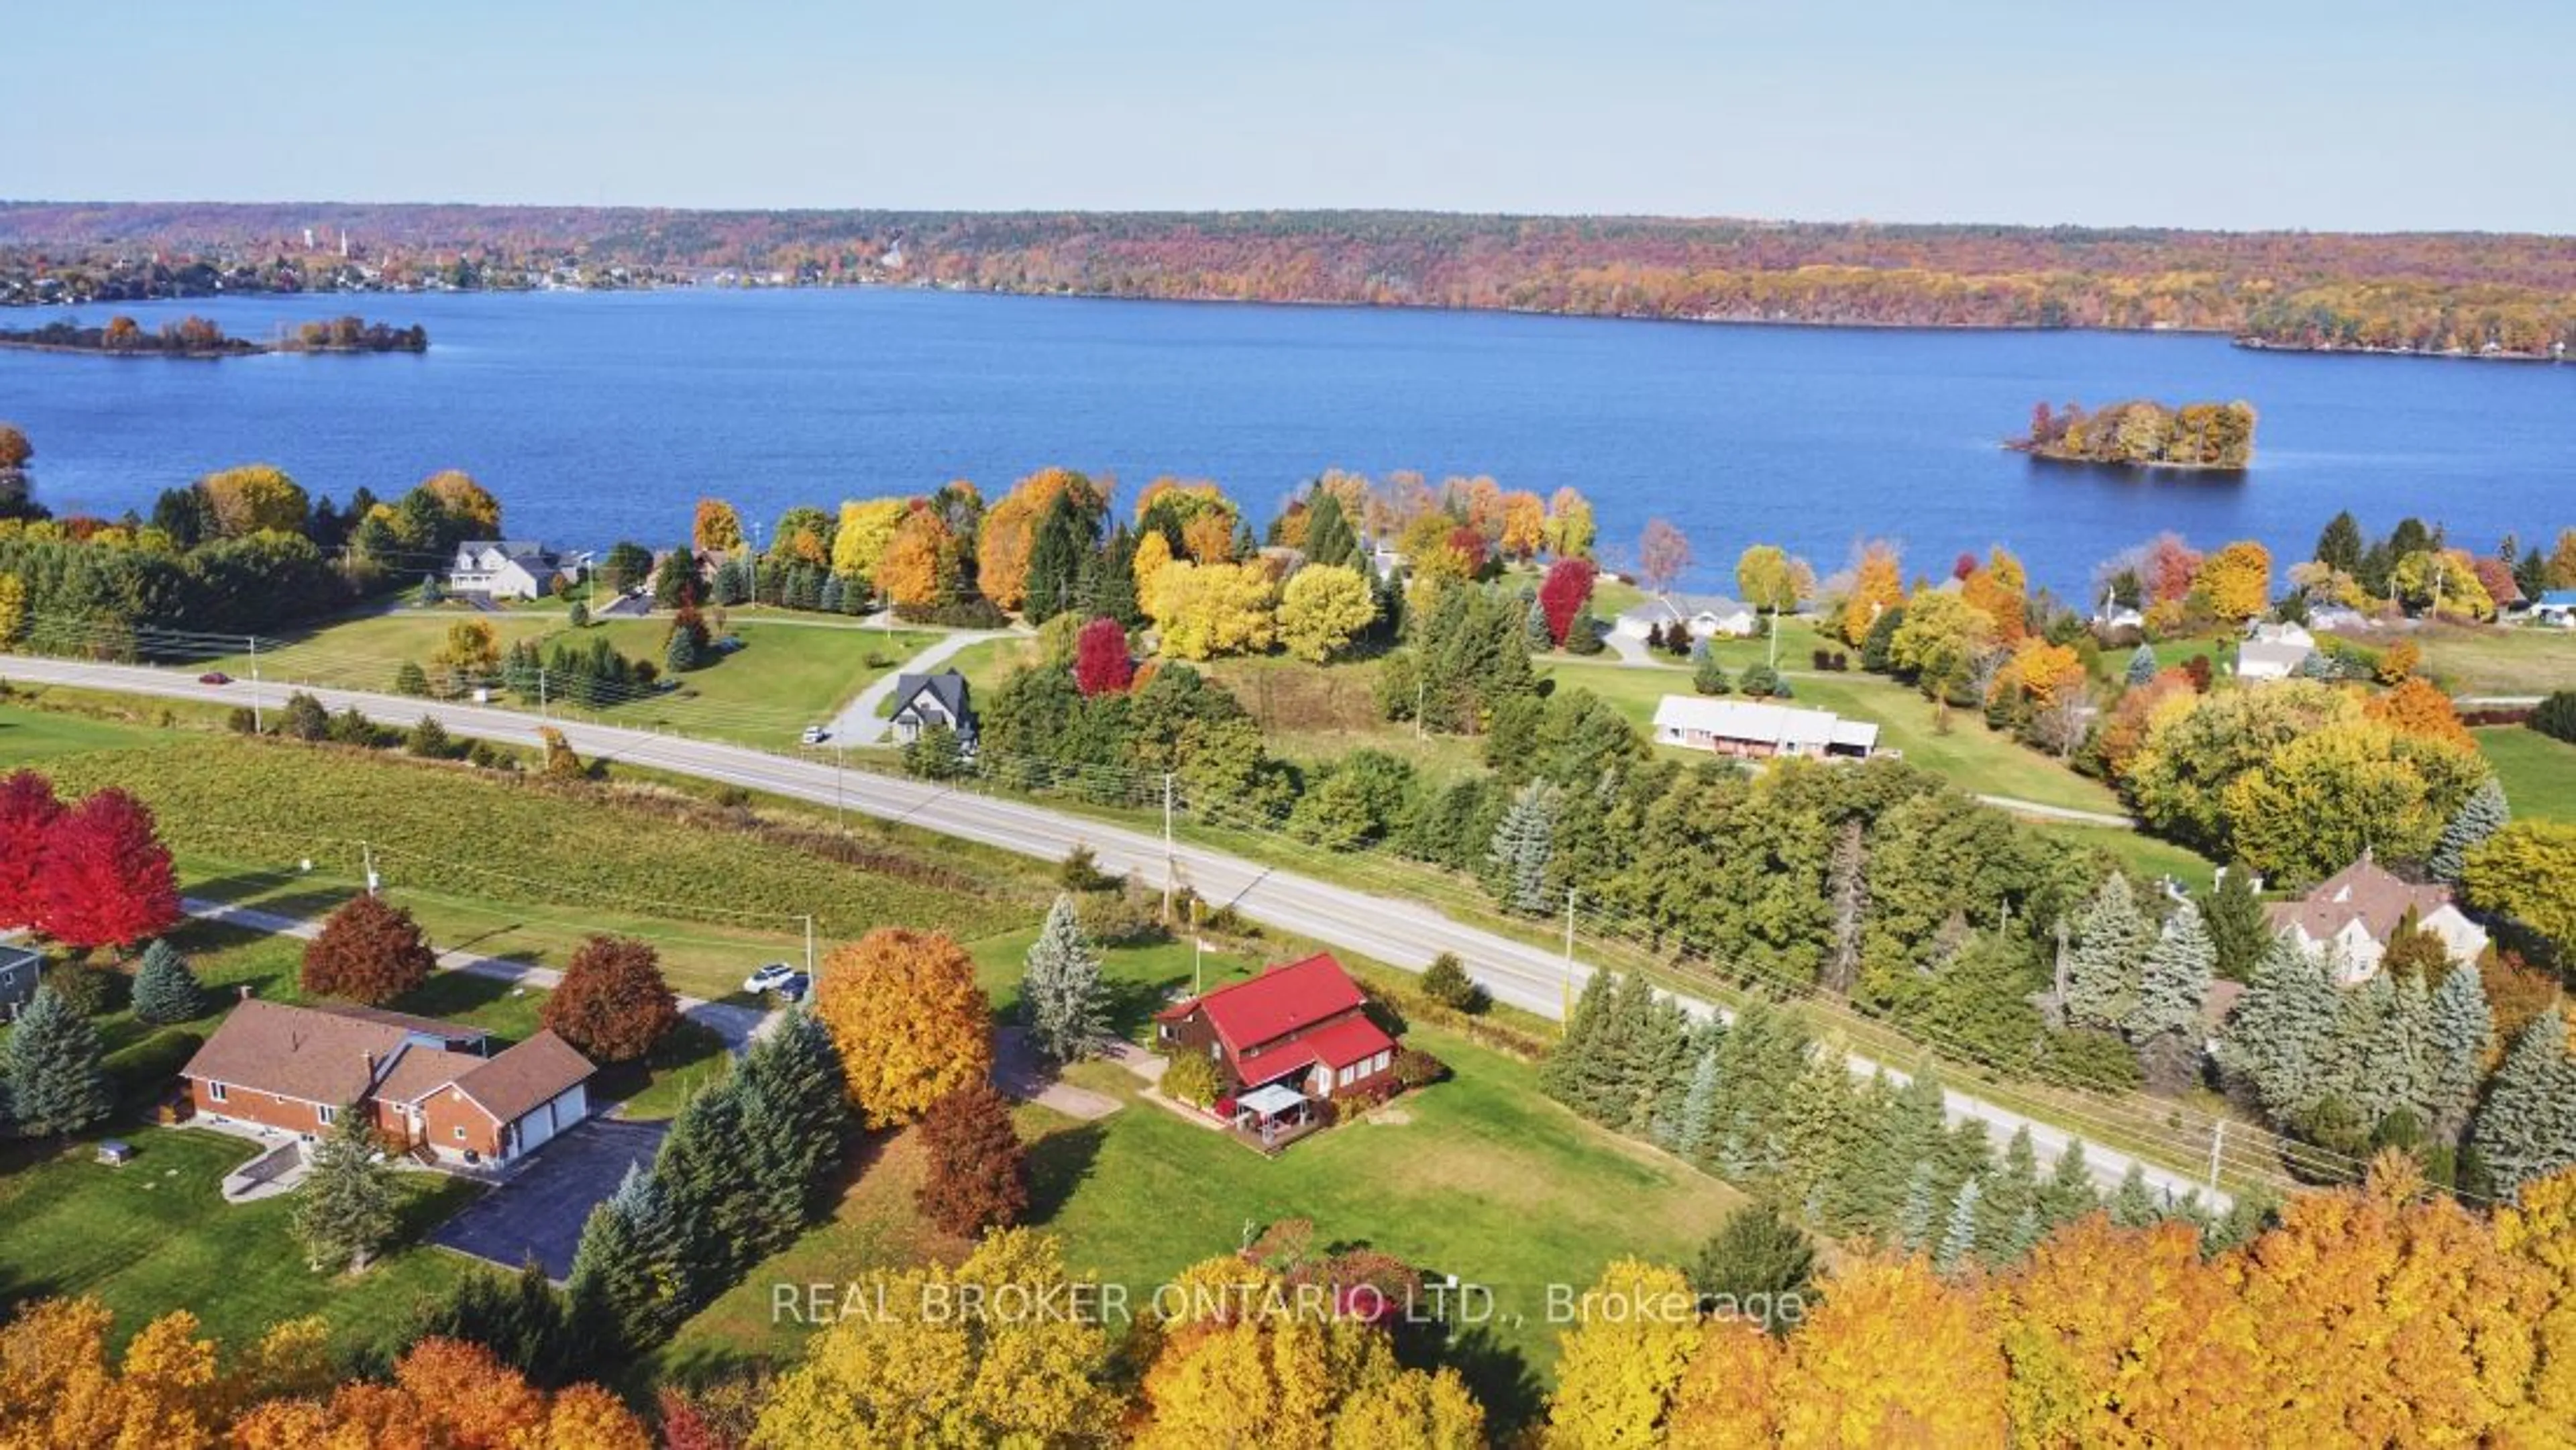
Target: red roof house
{"points": [[1303, 1026]]}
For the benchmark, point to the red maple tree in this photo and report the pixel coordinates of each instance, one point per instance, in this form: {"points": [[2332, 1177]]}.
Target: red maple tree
{"points": [[28, 811], [612, 1003], [368, 952], [979, 1174], [1562, 595], [1101, 664], [105, 879]]}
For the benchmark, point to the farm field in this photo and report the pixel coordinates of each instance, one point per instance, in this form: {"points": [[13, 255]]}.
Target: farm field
{"points": [[2487, 660]]}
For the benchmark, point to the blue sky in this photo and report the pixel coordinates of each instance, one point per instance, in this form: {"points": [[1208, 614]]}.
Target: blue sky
{"points": [[2258, 113]]}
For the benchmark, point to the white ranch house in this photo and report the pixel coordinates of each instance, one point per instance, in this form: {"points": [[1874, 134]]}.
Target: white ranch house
{"points": [[1754, 730], [1707, 616], [507, 569]]}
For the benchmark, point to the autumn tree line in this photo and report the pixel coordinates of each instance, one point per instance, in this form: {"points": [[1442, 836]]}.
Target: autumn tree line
{"points": [[238, 551], [2444, 293]]}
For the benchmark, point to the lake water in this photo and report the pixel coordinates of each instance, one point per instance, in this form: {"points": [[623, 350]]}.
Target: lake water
{"points": [[597, 416]]}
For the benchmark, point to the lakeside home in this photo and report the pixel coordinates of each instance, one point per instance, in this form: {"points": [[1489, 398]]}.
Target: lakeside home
{"points": [[1755, 730]]}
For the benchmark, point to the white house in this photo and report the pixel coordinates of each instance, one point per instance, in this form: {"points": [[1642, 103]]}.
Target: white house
{"points": [[2260, 659], [2350, 916], [1756, 730], [2275, 632], [505, 569], [2557, 609], [1706, 615]]}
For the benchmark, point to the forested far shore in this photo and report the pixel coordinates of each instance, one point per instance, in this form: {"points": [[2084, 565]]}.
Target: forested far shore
{"points": [[196, 337], [2450, 294]]}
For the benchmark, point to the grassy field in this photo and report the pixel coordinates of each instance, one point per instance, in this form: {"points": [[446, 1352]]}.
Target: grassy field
{"points": [[788, 675], [2487, 660], [1969, 756], [156, 1235], [2538, 773], [31, 736]]}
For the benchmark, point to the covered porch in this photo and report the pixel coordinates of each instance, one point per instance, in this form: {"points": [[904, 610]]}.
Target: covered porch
{"points": [[1273, 1116]]}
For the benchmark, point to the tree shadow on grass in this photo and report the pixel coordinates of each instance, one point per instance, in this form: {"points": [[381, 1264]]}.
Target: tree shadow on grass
{"points": [[1130, 1005], [452, 995], [1058, 1165], [1499, 1376]]}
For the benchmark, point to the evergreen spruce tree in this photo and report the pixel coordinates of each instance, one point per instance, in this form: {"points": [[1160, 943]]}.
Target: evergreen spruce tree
{"points": [[2142, 664], [2280, 1037], [1535, 631], [2480, 816], [2109, 946], [1914, 1220], [1329, 539], [2134, 1205], [1062, 998], [1697, 1121], [2006, 1196], [1115, 598], [2069, 1193], [2238, 927], [713, 1204], [165, 991], [2339, 545], [345, 1208], [1708, 676], [57, 1083], [796, 1116], [2166, 1022], [1822, 1132], [2526, 1129], [2461, 1031], [2023, 1235], [624, 1269], [835, 595], [1569, 1064], [1959, 1239], [1055, 562], [1524, 841]]}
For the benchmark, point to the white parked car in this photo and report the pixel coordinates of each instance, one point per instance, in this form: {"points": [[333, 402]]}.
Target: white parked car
{"points": [[816, 734], [769, 978]]}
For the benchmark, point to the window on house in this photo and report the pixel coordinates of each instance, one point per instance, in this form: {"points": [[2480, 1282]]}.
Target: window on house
{"points": [[215, 1091], [460, 1132], [326, 1114], [1378, 1063]]}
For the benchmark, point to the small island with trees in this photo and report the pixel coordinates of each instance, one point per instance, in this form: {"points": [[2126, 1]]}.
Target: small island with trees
{"points": [[2214, 437], [196, 337]]}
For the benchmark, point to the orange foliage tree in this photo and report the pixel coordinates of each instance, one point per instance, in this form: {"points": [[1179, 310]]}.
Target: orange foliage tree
{"points": [[919, 566], [1010, 530], [1524, 525], [2237, 580], [716, 529], [911, 1024], [2419, 707], [1878, 585]]}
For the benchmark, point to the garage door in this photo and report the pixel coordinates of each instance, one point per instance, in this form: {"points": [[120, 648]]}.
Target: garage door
{"points": [[536, 1128]]}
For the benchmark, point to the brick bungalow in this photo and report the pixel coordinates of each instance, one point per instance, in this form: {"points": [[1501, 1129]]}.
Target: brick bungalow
{"points": [[1302, 1027], [429, 1085]]}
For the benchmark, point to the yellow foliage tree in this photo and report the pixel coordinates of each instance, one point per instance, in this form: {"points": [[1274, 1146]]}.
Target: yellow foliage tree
{"points": [[2128, 1336], [13, 609], [717, 529], [1324, 608], [1270, 1372], [867, 527], [946, 1357], [2040, 669], [1570, 528], [1878, 585], [1209, 538], [1998, 589], [919, 566], [293, 1359], [1205, 610], [2237, 580], [1010, 530], [2387, 1317], [253, 497], [1632, 1341], [460, 497], [1770, 579], [910, 1022], [1412, 1411], [1894, 1357], [1728, 1398], [55, 1388], [170, 1396], [586, 1417], [2539, 1229], [1153, 551], [469, 658], [1524, 524]]}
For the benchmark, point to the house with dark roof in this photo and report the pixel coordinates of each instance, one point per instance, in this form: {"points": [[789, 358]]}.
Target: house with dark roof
{"points": [[2350, 916], [1293, 1034], [431, 1088], [922, 702]]}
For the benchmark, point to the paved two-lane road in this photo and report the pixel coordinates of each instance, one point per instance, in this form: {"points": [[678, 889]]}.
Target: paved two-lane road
{"points": [[1402, 932]]}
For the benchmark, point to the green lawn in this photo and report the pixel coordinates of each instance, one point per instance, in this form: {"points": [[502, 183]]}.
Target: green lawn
{"points": [[156, 1235], [1970, 756], [788, 674], [28, 736], [2538, 773]]}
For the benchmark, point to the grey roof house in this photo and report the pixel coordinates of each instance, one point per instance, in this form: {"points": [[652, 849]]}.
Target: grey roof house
{"points": [[506, 568], [922, 702]]}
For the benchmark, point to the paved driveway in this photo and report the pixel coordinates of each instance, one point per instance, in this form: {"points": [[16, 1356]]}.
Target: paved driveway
{"points": [[538, 1214]]}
